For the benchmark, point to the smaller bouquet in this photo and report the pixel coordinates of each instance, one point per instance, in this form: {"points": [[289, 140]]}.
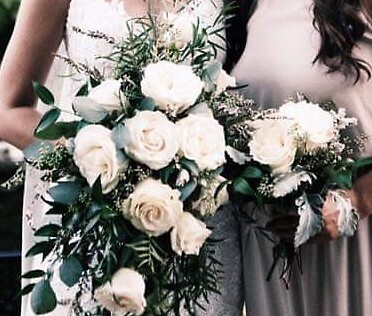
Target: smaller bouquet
{"points": [[292, 158], [135, 178]]}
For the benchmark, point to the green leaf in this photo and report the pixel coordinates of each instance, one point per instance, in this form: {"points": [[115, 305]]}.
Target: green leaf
{"points": [[147, 104], [190, 165], [43, 247], [65, 192], [362, 163], [92, 222], [43, 93], [241, 186], [97, 191], [343, 179], [166, 172], [27, 289], [251, 172], [118, 135], [220, 188], [83, 91], [32, 152], [43, 298], [187, 190], [58, 130], [56, 209], [70, 271], [33, 274], [125, 256], [48, 119], [50, 230]]}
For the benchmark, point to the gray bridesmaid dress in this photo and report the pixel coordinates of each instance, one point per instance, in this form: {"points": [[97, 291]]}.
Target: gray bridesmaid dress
{"points": [[278, 62]]}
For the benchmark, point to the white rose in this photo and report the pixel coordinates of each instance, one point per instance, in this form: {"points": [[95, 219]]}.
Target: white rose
{"points": [[188, 235], [153, 207], [177, 29], [207, 204], [173, 87], [108, 95], [150, 138], [223, 81], [315, 124], [102, 99], [202, 139], [96, 155], [124, 294], [273, 144]]}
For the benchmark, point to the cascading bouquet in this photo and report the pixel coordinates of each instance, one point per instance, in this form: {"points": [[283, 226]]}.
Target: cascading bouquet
{"points": [[291, 158], [135, 177]]}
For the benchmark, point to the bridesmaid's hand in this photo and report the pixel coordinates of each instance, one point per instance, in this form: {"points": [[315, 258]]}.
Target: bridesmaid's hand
{"points": [[360, 197]]}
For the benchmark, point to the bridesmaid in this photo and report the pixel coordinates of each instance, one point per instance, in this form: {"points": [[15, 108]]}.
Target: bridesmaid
{"points": [[322, 48]]}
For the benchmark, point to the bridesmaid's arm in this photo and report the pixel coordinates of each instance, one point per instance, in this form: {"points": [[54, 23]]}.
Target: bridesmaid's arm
{"points": [[37, 35]]}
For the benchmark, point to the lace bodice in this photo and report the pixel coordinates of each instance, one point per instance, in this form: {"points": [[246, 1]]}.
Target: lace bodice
{"points": [[109, 18]]}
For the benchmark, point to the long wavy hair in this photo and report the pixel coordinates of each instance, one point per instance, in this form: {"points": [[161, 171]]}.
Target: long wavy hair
{"points": [[339, 22]]}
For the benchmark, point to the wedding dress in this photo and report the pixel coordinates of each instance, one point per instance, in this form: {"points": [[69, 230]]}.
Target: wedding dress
{"points": [[110, 18]]}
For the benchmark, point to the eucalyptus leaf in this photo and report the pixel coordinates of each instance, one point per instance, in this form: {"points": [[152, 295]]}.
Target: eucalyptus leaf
{"points": [[43, 93], [166, 172], [65, 192], [190, 165], [32, 152], [48, 119], [251, 172], [70, 271], [43, 298], [211, 73], [58, 130], [118, 135], [241, 186], [188, 189], [147, 104]]}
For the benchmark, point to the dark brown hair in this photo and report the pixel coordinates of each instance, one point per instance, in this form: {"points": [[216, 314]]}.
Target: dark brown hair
{"points": [[339, 23]]}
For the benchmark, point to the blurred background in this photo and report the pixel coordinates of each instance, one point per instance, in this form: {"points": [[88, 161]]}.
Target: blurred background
{"points": [[10, 201]]}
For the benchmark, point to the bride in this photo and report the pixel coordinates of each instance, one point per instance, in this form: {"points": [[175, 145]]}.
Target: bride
{"points": [[39, 32]]}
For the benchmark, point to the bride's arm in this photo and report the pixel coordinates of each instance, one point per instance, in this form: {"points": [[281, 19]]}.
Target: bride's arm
{"points": [[37, 35]]}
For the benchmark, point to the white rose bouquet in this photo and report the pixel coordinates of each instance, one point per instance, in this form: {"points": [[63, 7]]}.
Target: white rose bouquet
{"points": [[134, 176], [290, 158]]}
